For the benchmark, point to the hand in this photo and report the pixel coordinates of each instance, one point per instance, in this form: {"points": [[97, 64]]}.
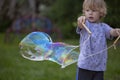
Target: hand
{"points": [[80, 20], [115, 32]]}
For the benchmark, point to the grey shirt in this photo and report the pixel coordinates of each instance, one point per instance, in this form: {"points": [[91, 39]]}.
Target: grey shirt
{"points": [[93, 49]]}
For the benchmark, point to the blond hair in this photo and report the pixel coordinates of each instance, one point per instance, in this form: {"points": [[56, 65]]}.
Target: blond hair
{"points": [[99, 5]]}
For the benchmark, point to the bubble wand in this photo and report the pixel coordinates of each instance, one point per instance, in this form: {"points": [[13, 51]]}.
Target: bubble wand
{"points": [[86, 28], [115, 42]]}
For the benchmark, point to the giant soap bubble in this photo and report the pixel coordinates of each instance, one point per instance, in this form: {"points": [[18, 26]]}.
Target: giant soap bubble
{"points": [[38, 46]]}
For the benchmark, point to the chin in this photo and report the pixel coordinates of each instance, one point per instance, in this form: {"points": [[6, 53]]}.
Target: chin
{"points": [[92, 21]]}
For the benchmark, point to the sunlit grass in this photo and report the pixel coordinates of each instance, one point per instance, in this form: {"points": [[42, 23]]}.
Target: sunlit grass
{"points": [[14, 67]]}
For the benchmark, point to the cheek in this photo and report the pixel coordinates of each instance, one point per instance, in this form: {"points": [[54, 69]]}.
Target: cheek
{"points": [[98, 15], [86, 14]]}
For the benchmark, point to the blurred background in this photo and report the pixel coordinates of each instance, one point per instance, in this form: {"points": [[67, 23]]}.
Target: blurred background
{"points": [[24, 16], [58, 19]]}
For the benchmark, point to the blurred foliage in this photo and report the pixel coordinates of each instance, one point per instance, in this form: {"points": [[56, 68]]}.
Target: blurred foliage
{"points": [[4, 23], [113, 16], [64, 14]]}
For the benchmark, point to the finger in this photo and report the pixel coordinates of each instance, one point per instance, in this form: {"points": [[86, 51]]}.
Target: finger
{"points": [[79, 18], [118, 31], [79, 21], [83, 19]]}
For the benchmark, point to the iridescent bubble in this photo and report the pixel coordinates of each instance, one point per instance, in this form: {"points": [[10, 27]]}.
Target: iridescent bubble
{"points": [[33, 46], [63, 54], [38, 46]]}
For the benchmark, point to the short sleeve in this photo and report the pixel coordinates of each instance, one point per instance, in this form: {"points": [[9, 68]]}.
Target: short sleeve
{"points": [[107, 30]]}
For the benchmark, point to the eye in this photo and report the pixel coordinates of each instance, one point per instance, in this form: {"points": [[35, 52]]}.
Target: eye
{"points": [[94, 10], [87, 10]]}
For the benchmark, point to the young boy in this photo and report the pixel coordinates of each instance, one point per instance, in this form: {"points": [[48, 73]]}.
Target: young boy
{"points": [[93, 67]]}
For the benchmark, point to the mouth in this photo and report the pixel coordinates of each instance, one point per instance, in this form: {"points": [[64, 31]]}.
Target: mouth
{"points": [[91, 18]]}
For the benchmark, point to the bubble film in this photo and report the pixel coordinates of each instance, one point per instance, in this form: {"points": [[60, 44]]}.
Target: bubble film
{"points": [[38, 46]]}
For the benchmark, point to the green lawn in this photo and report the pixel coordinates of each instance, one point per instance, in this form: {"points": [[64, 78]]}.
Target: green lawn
{"points": [[14, 67]]}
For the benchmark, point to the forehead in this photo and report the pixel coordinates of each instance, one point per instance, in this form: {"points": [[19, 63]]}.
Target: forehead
{"points": [[92, 7]]}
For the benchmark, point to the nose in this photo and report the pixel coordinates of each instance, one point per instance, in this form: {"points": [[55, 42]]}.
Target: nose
{"points": [[90, 12]]}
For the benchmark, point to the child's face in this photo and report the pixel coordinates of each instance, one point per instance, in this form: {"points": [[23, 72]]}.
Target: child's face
{"points": [[92, 15]]}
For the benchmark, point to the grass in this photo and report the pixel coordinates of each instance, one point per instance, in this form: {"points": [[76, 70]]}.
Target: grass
{"points": [[14, 67]]}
